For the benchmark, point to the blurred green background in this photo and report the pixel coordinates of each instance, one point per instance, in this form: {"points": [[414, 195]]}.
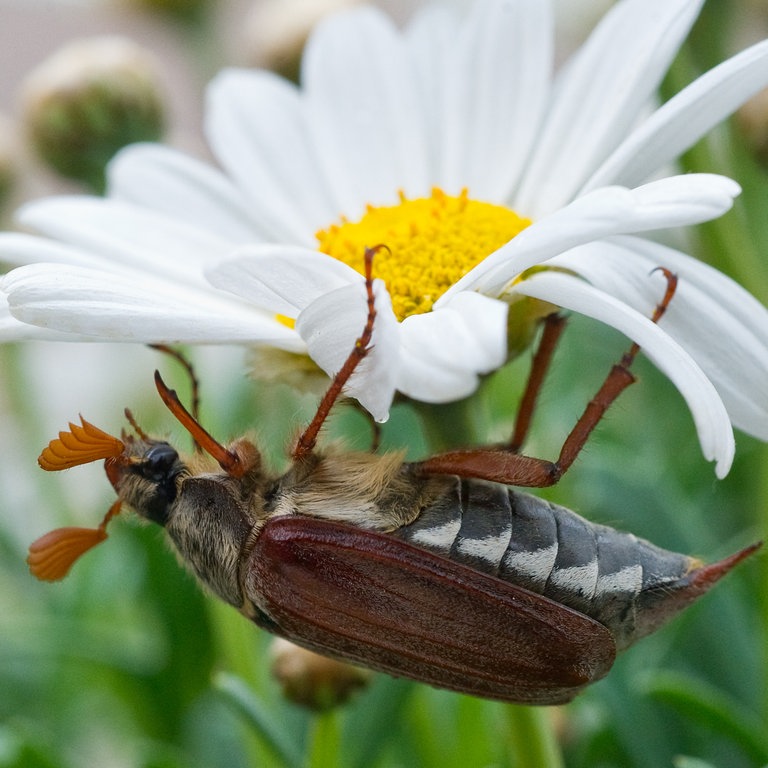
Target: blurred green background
{"points": [[127, 664]]}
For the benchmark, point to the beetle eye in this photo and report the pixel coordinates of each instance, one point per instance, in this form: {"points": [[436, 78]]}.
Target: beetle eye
{"points": [[158, 461], [160, 466]]}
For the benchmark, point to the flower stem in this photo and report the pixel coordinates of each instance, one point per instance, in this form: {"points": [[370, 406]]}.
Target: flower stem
{"points": [[325, 741], [532, 739], [449, 425]]}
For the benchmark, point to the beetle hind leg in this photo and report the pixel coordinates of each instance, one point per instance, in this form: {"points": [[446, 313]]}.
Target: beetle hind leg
{"points": [[504, 464]]}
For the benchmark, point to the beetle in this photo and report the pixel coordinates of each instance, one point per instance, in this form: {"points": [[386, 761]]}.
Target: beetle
{"points": [[436, 570]]}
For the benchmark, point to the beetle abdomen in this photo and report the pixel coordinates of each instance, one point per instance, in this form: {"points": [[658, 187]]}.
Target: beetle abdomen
{"points": [[601, 572]]}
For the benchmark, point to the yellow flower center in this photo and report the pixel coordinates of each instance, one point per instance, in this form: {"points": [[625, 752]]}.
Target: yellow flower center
{"points": [[432, 242]]}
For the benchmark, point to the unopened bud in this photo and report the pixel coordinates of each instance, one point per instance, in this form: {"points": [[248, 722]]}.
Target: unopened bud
{"points": [[186, 11], [314, 681], [524, 318], [271, 365], [277, 30], [752, 121], [89, 100], [7, 162]]}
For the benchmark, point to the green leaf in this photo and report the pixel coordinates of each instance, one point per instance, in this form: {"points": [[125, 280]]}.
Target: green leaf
{"points": [[714, 710], [240, 697]]}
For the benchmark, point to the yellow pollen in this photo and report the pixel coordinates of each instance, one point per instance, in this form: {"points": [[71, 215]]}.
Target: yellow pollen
{"points": [[432, 241]]}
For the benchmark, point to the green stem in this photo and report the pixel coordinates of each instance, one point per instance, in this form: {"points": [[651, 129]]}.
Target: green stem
{"points": [[449, 425], [325, 741], [532, 738], [761, 492]]}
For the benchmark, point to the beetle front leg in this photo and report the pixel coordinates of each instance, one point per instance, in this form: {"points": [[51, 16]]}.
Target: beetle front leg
{"points": [[306, 442], [503, 465]]}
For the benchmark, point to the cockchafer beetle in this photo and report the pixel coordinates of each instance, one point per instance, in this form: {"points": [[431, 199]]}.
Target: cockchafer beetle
{"points": [[435, 570]]}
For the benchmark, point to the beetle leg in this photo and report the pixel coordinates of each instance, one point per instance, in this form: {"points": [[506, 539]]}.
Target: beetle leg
{"points": [[193, 380], [230, 461], [189, 368], [554, 325], [502, 465], [307, 441]]}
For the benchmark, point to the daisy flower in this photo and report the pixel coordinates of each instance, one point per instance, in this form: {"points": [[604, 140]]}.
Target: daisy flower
{"points": [[501, 188]]}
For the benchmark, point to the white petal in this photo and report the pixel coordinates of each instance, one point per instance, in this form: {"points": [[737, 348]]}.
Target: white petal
{"points": [[431, 37], [494, 81], [709, 414], [722, 327], [331, 325], [485, 322], [256, 126], [17, 249], [128, 235], [114, 307], [283, 279], [12, 329], [730, 294], [363, 106], [685, 118], [599, 95], [670, 202], [169, 182], [444, 351]]}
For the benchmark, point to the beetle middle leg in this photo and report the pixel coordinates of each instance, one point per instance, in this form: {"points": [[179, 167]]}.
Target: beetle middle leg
{"points": [[504, 465], [554, 325]]}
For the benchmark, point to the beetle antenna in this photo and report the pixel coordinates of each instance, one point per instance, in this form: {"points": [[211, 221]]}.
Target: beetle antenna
{"points": [[53, 554], [308, 439], [193, 381], [229, 461], [80, 445]]}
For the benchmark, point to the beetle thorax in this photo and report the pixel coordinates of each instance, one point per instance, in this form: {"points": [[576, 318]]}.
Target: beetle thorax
{"points": [[209, 523], [207, 516]]}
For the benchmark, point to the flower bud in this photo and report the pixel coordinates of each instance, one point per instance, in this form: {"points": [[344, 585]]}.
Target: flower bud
{"points": [[187, 11], [752, 121], [87, 101], [277, 366], [277, 30], [7, 162], [314, 681]]}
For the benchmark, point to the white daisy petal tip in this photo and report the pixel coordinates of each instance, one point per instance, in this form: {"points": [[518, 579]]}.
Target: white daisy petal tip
{"points": [[724, 461], [112, 307]]}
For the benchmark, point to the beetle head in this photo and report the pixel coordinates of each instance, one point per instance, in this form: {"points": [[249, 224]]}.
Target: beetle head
{"points": [[149, 476], [143, 472]]}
